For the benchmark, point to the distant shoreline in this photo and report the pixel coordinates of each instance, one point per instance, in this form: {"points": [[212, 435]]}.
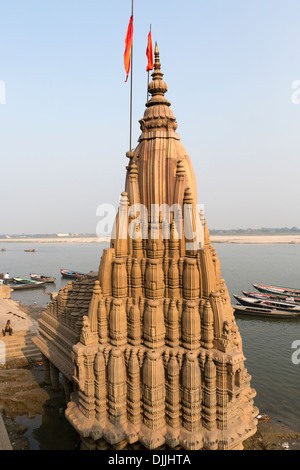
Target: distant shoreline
{"points": [[228, 239], [56, 240]]}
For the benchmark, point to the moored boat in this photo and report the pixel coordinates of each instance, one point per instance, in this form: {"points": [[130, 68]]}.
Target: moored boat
{"points": [[267, 304], [32, 285], [264, 312], [41, 277], [71, 274], [261, 296], [281, 291], [21, 280]]}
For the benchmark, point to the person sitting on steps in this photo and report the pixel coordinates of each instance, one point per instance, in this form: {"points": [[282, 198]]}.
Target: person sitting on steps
{"points": [[7, 328]]}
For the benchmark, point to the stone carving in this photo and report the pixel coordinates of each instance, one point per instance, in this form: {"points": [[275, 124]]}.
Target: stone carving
{"points": [[157, 356]]}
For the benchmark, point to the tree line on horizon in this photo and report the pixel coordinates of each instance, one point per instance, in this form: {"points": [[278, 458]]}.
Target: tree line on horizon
{"points": [[240, 231]]}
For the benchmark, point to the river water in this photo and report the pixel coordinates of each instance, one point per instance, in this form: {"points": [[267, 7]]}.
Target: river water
{"points": [[267, 343]]}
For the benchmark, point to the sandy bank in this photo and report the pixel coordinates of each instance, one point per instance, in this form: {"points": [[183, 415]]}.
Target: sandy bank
{"points": [[257, 239], [240, 239], [20, 320]]}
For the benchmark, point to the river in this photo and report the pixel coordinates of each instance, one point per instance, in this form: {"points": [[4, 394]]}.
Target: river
{"points": [[267, 343]]}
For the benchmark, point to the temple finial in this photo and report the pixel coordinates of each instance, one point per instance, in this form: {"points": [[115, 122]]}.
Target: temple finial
{"points": [[157, 88], [156, 55]]}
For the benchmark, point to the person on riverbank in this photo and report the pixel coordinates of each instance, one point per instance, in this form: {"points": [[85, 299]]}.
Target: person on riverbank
{"points": [[6, 278], [7, 329]]}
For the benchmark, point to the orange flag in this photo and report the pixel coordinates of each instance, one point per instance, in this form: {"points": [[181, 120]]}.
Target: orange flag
{"points": [[128, 46], [149, 53]]}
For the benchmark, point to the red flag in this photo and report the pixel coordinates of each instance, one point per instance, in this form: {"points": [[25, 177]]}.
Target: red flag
{"points": [[128, 46], [149, 53]]}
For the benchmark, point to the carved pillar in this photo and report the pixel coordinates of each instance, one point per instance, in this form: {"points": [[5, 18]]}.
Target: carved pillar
{"points": [[100, 387], [87, 399], [119, 278], [134, 325], [207, 272], [54, 376], [172, 329], [210, 394], [67, 386], [190, 326], [191, 393], [136, 279], [116, 379], [218, 313], [46, 366], [133, 387], [154, 279], [173, 281], [190, 279], [222, 397], [154, 327], [102, 322], [207, 326], [118, 323], [173, 392], [153, 391]]}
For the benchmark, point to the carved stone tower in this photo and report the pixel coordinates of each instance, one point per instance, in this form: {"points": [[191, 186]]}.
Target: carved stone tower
{"points": [[160, 358]]}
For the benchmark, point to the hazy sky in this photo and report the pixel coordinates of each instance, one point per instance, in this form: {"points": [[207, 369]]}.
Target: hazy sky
{"points": [[64, 130]]}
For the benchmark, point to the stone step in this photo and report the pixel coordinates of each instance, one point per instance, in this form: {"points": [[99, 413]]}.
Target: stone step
{"points": [[20, 342], [20, 346], [18, 350], [35, 356], [19, 333]]}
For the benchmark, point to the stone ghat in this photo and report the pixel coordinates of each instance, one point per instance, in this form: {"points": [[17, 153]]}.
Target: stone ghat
{"points": [[18, 347]]}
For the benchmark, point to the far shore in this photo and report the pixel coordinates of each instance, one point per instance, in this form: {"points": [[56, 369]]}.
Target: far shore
{"points": [[238, 239]]}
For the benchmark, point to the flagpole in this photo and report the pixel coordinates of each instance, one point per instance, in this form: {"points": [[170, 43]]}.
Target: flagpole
{"points": [[130, 138], [148, 78]]}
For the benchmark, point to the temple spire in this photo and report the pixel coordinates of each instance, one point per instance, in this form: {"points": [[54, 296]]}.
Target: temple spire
{"points": [[157, 87], [156, 55]]}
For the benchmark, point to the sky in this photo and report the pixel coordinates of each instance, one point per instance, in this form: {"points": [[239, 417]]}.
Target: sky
{"points": [[230, 66]]}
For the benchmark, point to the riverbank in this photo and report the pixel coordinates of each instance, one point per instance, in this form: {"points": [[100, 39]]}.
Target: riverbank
{"points": [[239, 239], [257, 239], [56, 240]]}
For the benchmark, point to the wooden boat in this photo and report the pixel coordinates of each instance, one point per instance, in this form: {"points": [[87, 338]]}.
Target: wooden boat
{"points": [[29, 251], [32, 285], [20, 280], [71, 274], [281, 291], [267, 304], [3, 249], [261, 296], [40, 277], [264, 313]]}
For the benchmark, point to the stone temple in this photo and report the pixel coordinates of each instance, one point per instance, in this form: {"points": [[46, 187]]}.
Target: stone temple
{"points": [[148, 347]]}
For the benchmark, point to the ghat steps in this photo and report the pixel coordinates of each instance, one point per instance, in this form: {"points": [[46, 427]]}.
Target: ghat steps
{"points": [[18, 346]]}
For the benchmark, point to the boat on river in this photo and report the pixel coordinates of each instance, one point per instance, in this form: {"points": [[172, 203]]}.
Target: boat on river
{"points": [[71, 274], [264, 312], [41, 277], [29, 285], [281, 291], [21, 280], [268, 304], [29, 251], [261, 296]]}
